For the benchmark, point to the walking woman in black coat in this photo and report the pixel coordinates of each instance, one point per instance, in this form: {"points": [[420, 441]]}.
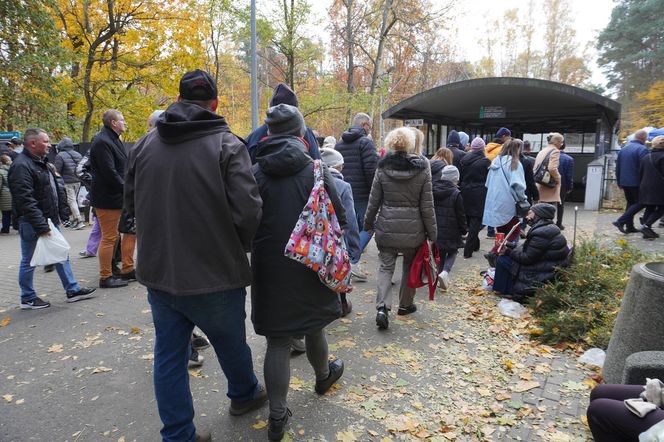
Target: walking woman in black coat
{"points": [[650, 189], [474, 169], [287, 298]]}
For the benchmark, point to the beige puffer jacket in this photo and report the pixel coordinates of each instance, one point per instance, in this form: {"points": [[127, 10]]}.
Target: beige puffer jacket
{"points": [[401, 210]]}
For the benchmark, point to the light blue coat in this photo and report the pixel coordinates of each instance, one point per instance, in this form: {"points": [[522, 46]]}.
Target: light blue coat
{"points": [[499, 207]]}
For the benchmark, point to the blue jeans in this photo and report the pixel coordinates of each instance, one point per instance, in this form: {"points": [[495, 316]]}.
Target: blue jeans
{"points": [[503, 280], [26, 271], [221, 317], [365, 237]]}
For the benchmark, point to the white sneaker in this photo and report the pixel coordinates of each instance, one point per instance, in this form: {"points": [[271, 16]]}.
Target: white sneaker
{"points": [[357, 273], [79, 225], [444, 280]]}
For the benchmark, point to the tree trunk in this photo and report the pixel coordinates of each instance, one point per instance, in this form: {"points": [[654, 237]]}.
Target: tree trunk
{"points": [[384, 29]]}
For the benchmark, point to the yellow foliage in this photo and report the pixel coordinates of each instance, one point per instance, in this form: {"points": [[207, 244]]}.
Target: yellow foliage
{"points": [[646, 110]]}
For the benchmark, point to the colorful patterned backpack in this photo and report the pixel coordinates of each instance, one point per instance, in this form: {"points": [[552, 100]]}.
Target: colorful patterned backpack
{"points": [[317, 239]]}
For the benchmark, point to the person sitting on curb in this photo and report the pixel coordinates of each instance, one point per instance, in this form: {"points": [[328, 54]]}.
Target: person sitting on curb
{"points": [[521, 269]]}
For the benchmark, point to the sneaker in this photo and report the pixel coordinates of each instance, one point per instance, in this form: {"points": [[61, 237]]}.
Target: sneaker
{"points": [[382, 320], [85, 254], [277, 427], [649, 233], [49, 268], [490, 235], [336, 370], [632, 229], [297, 346], [83, 293], [239, 408], [444, 280], [403, 311], [357, 273], [195, 360], [34, 304], [112, 282], [199, 342], [346, 308], [129, 276], [79, 225]]}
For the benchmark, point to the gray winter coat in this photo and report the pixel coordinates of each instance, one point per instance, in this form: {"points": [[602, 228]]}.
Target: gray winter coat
{"points": [[66, 162], [5, 193], [400, 207]]}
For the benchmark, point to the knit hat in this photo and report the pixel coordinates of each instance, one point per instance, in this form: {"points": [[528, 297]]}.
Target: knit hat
{"points": [[198, 85], [331, 157], [503, 131], [284, 119], [453, 138], [464, 139], [544, 210], [450, 173], [329, 142], [66, 143], [658, 142], [283, 95], [477, 144]]}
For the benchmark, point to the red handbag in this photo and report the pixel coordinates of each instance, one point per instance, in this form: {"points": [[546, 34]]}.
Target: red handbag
{"points": [[424, 268]]}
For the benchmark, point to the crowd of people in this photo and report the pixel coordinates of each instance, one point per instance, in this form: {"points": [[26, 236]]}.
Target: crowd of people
{"points": [[248, 196]]}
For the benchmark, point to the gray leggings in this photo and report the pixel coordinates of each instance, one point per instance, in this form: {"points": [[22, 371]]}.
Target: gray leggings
{"points": [[276, 368]]}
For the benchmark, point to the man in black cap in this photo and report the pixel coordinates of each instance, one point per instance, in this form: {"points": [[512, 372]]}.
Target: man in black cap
{"points": [[8, 149], [196, 276], [282, 95]]}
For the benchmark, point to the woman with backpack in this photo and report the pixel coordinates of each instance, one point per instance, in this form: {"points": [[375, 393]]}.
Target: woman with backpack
{"points": [[401, 214], [287, 298]]}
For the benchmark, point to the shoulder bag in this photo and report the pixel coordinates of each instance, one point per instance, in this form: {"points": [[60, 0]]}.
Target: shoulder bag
{"points": [[317, 239], [522, 207], [542, 175]]}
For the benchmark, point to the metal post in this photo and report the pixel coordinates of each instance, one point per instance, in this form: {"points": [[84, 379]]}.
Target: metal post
{"points": [[254, 70]]}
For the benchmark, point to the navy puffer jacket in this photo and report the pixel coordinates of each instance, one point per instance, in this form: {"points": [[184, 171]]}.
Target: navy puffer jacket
{"points": [[360, 161], [544, 249]]}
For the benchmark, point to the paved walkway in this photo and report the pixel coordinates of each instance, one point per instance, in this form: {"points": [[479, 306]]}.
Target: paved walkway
{"points": [[455, 370]]}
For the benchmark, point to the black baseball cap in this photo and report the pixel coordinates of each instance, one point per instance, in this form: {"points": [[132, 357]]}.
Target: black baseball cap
{"points": [[198, 85]]}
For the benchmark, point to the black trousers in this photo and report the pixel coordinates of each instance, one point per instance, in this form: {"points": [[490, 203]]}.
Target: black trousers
{"points": [[611, 421], [632, 208], [561, 208], [652, 214], [472, 240]]}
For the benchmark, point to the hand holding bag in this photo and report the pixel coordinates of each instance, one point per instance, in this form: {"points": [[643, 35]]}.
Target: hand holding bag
{"points": [[522, 207], [317, 239], [424, 268], [50, 249]]}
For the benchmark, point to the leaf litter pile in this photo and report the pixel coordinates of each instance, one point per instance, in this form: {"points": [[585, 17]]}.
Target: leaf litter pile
{"points": [[456, 370]]}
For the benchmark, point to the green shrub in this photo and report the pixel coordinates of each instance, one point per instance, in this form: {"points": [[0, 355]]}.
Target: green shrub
{"points": [[582, 304]]}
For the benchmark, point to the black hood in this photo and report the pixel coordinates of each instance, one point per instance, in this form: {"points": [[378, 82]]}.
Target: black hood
{"points": [[185, 121], [437, 167], [353, 133], [282, 155]]}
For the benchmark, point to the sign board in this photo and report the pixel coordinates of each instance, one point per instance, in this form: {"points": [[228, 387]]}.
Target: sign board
{"points": [[492, 112], [9, 135], [410, 123]]}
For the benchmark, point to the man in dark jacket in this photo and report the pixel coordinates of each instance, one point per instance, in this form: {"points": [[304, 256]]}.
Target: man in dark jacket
{"points": [[566, 170], [65, 163], [8, 149], [108, 157], [38, 196], [282, 95], [195, 277], [454, 144], [360, 162], [628, 164]]}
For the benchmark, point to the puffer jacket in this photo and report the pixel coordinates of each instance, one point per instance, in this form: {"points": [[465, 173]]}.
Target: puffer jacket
{"points": [[66, 162], [360, 159], [474, 169], [5, 193], [400, 208], [450, 215], [33, 199], [535, 261]]}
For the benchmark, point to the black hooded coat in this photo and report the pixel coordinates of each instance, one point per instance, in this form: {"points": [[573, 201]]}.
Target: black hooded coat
{"points": [[287, 298]]}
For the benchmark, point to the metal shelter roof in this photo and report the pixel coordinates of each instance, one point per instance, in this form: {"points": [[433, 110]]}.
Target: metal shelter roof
{"points": [[529, 105]]}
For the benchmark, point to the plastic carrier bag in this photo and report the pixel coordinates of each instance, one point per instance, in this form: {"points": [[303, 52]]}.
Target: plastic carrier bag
{"points": [[50, 249]]}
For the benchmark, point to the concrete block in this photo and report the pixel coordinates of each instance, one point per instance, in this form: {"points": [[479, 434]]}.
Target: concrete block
{"points": [[642, 365], [639, 326]]}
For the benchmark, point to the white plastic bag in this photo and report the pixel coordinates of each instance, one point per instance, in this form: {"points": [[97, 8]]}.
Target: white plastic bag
{"points": [[50, 249], [511, 308], [593, 356], [654, 433]]}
